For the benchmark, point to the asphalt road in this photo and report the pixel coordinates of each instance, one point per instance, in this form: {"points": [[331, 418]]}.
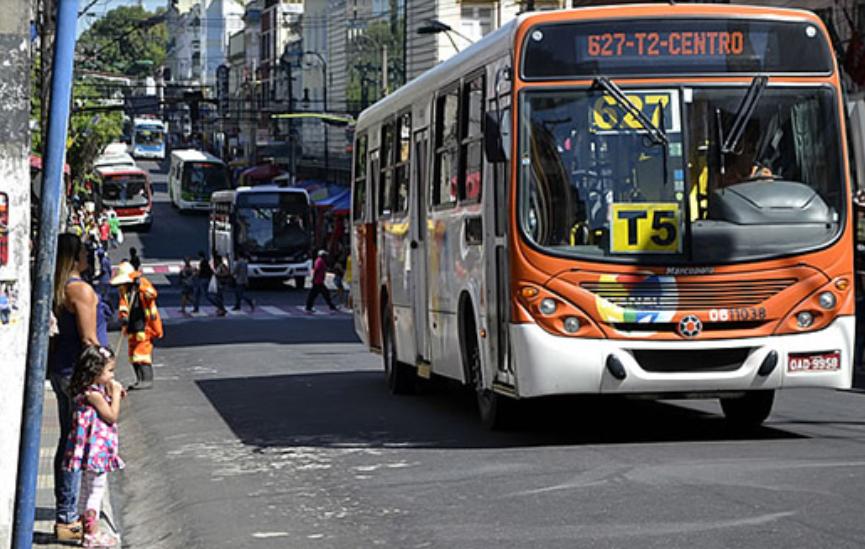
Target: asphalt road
{"points": [[278, 432]]}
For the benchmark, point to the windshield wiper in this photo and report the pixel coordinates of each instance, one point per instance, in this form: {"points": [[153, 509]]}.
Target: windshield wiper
{"points": [[656, 134], [744, 113]]}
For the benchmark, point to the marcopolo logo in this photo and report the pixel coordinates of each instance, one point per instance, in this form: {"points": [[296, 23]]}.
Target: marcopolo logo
{"points": [[690, 326]]}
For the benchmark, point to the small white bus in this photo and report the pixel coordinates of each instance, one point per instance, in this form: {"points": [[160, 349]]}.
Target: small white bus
{"points": [[272, 225], [193, 178]]}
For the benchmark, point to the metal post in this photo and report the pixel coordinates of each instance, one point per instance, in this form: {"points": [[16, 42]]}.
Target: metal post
{"points": [[292, 157], [46, 251]]}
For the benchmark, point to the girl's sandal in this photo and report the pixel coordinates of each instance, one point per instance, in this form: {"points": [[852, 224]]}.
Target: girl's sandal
{"points": [[99, 539]]}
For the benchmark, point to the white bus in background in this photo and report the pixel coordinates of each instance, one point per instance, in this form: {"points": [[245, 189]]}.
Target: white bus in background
{"points": [[273, 225], [148, 139], [193, 177]]}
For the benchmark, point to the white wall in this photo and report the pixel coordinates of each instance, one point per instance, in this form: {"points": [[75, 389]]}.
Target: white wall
{"points": [[15, 182]]}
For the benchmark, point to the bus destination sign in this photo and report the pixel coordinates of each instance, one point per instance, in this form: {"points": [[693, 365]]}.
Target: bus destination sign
{"points": [[696, 43], [668, 47]]}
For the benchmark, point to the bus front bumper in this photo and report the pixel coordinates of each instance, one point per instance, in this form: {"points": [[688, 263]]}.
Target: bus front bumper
{"points": [[131, 220], [280, 270], [546, 364]]}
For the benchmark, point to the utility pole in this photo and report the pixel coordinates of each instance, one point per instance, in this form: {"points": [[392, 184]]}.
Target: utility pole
{"points": [[292, 154]]}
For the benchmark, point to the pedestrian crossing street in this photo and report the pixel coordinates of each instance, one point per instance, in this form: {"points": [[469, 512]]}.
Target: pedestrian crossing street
{"points": [[173, 314]]}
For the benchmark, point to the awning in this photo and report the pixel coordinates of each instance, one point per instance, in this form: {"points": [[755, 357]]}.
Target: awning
{"points": [[36, 162]]}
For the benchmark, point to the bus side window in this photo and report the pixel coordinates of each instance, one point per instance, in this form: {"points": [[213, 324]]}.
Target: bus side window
{"points": [[471, 148], [359, 192], [386, 183], [446, 174], [401, 171]]}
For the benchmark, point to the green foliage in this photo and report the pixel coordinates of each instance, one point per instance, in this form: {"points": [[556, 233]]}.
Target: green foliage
{"points": [[126, 41], [89, 132], [366, 55]]}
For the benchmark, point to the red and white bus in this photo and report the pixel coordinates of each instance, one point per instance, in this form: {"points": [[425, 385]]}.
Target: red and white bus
{"points": [[127, 190], [646, 200]]}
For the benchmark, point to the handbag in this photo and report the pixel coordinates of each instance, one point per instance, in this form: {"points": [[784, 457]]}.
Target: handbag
{"points": [[213, 285]]}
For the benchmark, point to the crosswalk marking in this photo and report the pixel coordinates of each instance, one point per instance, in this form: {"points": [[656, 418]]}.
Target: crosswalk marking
{"points": [[172, 314], [274, 311]]}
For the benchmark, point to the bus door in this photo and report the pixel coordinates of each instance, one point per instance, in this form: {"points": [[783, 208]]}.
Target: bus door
{"points": [[367, 268], [496, 177], [418, 227]]}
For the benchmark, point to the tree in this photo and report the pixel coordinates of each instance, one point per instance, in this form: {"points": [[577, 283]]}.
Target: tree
{"points": [[128, 41]]}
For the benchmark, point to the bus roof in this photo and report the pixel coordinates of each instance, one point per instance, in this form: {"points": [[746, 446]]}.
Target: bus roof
{"points": [[193, 155], [229, 195], [114, 159], [148, 122], [119, 169], [501, 41]]}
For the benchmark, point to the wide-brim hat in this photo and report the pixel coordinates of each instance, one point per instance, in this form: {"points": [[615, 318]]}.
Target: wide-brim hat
{"points": [[123, 274]]}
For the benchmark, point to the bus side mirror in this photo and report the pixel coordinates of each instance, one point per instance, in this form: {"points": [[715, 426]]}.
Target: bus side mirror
{"points": [[497, 138]]}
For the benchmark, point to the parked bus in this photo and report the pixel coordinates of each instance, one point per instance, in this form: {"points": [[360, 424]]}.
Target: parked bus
{"points": [[193, 177], [273, 225], [148, 139], [127, 190], [630, 200]]}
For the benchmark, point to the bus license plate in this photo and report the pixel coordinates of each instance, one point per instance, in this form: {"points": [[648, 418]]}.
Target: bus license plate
{"points": [[814, 362]]}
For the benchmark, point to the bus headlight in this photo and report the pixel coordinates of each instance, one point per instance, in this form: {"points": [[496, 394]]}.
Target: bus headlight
{"points": [[827, 300], [571, 324], [548, 306], [805, 319]]}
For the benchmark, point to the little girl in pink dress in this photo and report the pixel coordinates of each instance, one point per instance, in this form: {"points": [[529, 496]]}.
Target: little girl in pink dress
{"points": [[93, 441]]}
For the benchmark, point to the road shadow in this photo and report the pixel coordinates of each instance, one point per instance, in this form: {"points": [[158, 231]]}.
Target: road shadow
{"points": [[354, 409], [288, 331]]}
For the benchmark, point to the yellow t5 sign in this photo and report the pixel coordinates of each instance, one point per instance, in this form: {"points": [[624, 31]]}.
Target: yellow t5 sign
{"points": [[640, 228]]}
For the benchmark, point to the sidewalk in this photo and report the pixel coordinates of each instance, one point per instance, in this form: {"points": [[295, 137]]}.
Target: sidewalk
{"points": [[43, 528]]}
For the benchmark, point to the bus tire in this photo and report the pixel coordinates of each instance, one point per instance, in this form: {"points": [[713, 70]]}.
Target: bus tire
{"points": [[299, 282], [398, 375], [497, 411], [751, 409], [145, 228]]}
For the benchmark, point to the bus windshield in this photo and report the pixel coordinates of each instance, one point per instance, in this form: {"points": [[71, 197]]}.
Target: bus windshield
{"points": [[201, 179], [593, 182], [144, 136], [273, 223], [126, 191]]}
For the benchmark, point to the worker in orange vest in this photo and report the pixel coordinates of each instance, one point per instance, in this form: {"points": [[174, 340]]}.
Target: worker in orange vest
{"points": [[140, 319]]}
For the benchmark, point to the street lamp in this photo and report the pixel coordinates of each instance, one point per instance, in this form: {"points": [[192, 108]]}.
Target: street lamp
{"points": [[324, 75], [434, 26]]}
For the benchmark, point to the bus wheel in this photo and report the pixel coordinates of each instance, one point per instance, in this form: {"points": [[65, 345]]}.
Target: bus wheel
{"points": [[497, 411], [400, 380], [299, 282], [751, 409]]}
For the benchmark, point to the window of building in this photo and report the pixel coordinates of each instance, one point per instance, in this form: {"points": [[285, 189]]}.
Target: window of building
{"points": [[476, 21]]}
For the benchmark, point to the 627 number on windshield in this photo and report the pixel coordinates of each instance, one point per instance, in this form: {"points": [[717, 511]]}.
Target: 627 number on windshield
{"points": [[737, 315]]}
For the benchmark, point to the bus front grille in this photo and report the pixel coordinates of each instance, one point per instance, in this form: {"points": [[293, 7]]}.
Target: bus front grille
{"points": [[702, 360], [663, 295]]}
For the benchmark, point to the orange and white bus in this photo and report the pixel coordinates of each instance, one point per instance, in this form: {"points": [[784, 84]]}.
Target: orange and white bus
{"points": [[645, 200]]}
